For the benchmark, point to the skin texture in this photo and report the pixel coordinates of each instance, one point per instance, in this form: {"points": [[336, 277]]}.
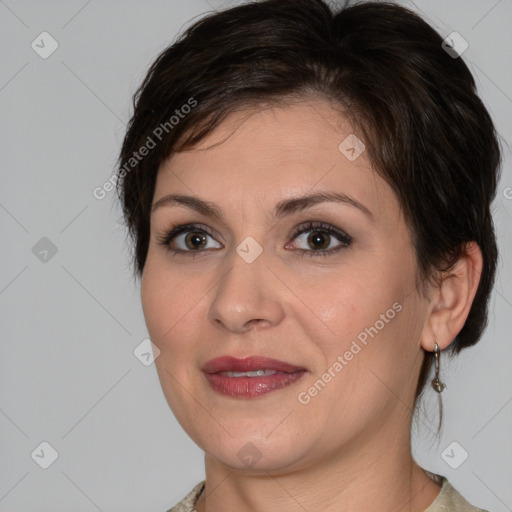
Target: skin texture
{"points": [[350, 444]]}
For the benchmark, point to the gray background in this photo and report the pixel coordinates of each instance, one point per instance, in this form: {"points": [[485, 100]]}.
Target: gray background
{"points": [[71, 320]]}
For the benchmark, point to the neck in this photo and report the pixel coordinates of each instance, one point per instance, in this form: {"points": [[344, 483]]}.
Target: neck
{"points": [[354, 479]]}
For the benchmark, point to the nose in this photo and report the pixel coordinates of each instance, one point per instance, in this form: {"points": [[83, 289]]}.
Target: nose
{"points": [[246, 297]]}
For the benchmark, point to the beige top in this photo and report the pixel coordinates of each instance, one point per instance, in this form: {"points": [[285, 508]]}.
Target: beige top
{"points": [[448, 500]]}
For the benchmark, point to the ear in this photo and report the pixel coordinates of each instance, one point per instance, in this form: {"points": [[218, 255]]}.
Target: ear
{"points": [[451, 302]]}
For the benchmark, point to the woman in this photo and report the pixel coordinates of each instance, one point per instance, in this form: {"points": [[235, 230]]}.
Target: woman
{"points": [[308, 193]]}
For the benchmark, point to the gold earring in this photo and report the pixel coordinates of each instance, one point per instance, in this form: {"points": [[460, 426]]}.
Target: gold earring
{"points": [[436, 383]]}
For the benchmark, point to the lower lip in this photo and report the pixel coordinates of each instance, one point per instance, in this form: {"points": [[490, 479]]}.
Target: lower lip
{"points": [[251, 387]]}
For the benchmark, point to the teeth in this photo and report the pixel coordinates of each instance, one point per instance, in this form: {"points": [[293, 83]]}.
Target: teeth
{"points": [[257, 373]]}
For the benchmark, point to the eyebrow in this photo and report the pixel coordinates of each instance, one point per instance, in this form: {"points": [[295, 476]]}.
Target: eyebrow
{"points": [[282, 209]]}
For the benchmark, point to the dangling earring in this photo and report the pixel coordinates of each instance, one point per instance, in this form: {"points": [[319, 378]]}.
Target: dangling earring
{"points": [[436, 383]]}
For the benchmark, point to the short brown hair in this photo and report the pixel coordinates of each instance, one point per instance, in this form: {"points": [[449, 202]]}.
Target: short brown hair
{"points": [[427, 132]]}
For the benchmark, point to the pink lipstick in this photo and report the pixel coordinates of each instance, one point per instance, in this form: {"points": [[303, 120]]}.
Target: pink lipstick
{"points": [[251, 377]]}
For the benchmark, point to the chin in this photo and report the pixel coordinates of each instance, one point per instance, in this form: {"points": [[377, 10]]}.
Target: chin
{"points": [[249, 458], [256, 448]]}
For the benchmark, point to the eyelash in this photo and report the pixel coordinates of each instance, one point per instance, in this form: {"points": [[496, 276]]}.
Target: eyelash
{"points": [[346, 240]]}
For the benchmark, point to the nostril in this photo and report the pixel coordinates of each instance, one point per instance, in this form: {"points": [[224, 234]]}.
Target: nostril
{"points": [[257, 321]]}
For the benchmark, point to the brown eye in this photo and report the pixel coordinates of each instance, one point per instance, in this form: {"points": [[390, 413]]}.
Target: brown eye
{"points": [[319, 240], [189, 239], [195, 240]]}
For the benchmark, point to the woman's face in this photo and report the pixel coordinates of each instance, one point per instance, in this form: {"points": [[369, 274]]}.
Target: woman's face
{"points": [[252, 281]]}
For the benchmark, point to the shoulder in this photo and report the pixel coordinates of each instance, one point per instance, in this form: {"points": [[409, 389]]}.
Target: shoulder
{"points": [[450, 500], [188, 502]]}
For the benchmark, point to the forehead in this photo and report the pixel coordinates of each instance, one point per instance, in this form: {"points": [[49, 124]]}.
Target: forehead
{"points": [[265, 153]]}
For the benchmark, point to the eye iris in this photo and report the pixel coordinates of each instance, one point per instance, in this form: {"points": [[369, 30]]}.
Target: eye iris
{"points": [[198, 240], [317, 237]]}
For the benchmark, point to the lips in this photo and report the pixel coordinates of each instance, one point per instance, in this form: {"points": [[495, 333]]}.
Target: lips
{"points": [[249, 364], [251, 377]]}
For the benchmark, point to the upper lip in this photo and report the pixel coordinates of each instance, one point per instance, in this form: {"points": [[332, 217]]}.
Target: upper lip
{"points": [[253, 363]]}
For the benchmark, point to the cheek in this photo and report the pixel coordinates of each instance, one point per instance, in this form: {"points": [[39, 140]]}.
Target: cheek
{"points": [[173, 304], [167, 308], [154, 301], [373, 322], [163, 305], [354, 299], [167, 299]]}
